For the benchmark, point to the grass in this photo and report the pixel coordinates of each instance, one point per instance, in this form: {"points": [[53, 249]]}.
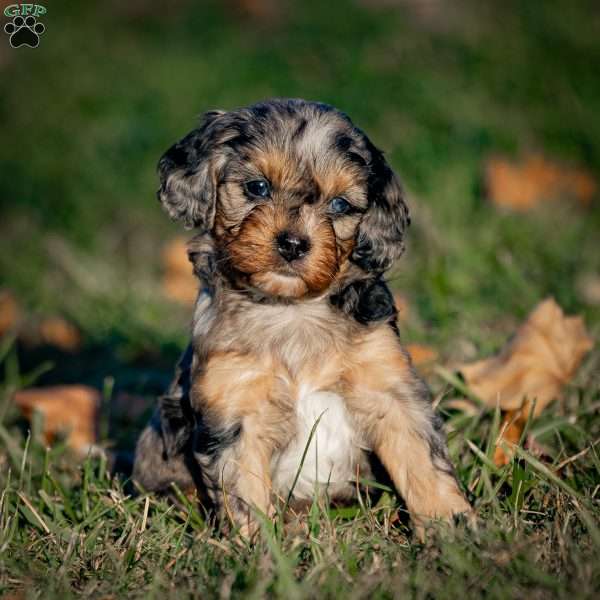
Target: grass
{"points": [[70, 530], [85, 117]]}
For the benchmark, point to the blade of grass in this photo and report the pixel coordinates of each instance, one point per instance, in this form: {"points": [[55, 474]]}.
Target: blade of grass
{"points": [[578, 500], [302, 459]]}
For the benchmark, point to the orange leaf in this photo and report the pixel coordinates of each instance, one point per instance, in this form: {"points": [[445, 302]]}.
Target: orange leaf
{"points": [[179, 282], [55, 331], [181, 289], [401, 306], [70, 409], [511, 429], [544, 355], [175, 258], [421, 355], [524, 185], [541, 358], [10, 312]]}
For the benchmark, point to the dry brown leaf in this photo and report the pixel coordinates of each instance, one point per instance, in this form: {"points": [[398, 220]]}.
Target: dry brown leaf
{"points": [[179, 282], [17, 595], [536, 363], [513, 423], [511, 431], [422, 356], [181, 289], [55, 331], [175, 258], [542, 357], [526, 184], [401, 306], [10, 311], [70, 409]]}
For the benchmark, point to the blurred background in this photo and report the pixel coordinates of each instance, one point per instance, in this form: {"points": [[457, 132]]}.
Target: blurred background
{"points": [[488, 111]]}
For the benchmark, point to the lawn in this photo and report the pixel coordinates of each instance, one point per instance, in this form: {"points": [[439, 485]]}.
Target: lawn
{"points": [[441, 88]]}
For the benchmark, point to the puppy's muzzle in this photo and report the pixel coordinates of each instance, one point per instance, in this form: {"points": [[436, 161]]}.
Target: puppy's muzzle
{"points": [[292, 246]]}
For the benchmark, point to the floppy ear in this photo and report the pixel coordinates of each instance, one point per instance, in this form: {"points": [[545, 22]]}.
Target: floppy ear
{"points": [[380, 237], [188, 178]]}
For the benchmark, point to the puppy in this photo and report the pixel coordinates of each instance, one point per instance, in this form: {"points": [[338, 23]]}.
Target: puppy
{"points": [[163, 454], [295, 376]]}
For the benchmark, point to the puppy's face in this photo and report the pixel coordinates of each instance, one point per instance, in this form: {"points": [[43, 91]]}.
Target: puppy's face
{"points": [[292, 192], [289, 204]]}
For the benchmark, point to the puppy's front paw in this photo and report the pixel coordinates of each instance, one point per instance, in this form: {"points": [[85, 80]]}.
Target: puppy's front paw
{"points": [[460, 515], [245, 519]]}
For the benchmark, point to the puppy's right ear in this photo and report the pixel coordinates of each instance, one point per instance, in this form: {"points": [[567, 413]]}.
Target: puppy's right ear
{"points": [[187, 174]]}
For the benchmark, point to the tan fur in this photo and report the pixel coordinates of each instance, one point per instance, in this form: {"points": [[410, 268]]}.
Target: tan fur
{"points": [[286, 348], [381, 394], [253, 252], [236, 388]]}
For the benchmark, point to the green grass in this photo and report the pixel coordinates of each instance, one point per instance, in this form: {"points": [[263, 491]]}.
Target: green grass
{"points": [[69, 529], [84, 119]]}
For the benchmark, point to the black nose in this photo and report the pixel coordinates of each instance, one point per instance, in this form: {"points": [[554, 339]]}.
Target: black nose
{"points": [[291, 246]]}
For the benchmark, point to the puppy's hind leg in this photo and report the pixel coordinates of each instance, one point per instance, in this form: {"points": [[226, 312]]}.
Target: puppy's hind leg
{"points": [[163, 451], [154, 468], [393, 407]]}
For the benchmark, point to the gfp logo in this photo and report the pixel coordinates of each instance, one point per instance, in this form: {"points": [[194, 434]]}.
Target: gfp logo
{"points": [[24, 29]]}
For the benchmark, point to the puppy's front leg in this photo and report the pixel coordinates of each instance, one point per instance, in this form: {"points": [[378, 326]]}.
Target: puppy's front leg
{"points": [[233, 443], [393, 407]]}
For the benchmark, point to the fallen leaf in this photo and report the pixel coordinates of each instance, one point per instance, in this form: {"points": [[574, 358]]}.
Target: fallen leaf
{"points": [[421, 355], [175, 258], [181, 289], [179, 282], [55, 331], [18, 595], [513, 423], [524, 185], [68, 409], [535, 365], [402, 306], [10, 312]]}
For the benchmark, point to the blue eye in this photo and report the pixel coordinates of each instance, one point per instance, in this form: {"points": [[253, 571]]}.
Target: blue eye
{"points": [[258, 188], [339, 205]]}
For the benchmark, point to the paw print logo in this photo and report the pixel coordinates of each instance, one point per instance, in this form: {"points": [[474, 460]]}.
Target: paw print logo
{"points": [[24, 32]]}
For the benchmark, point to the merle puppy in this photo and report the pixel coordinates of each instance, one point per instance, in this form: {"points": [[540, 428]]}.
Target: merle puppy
{"points": [[294, 342]]}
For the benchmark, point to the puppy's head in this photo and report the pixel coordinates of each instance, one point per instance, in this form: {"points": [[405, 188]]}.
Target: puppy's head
{"points": [[292, 193]]}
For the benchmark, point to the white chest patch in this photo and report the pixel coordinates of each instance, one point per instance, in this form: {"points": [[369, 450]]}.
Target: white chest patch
{"points": [[330, 461]]}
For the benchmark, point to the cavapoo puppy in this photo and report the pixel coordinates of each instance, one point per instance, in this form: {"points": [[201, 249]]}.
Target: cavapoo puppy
{"points": [[294, 342]]}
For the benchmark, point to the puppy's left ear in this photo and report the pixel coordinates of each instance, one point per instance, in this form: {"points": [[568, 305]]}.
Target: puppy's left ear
{"points": [[187, 172], [380, 237]]}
